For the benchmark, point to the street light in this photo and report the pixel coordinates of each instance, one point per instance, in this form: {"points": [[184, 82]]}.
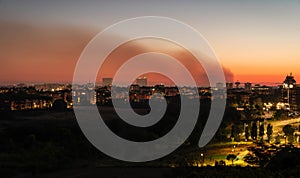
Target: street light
{"points": [[202, 159]]}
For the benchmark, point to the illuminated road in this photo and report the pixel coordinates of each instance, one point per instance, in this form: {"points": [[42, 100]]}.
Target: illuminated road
{"points": [[278, 125]]}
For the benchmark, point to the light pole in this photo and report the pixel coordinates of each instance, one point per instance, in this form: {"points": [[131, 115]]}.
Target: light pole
{"points": [[202, 159], [233, 148]]}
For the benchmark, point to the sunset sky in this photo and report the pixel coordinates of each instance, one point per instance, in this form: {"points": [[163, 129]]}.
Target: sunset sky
{"points": [[255, 40]]}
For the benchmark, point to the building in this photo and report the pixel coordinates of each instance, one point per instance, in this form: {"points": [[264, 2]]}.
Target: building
{"points": [[160, 88], [107, 81], [262, 90], [220, 86], [141, 81], [103, 95], [289, 91], [297, 95], [237, 84], [229, 85], [248, 86]]}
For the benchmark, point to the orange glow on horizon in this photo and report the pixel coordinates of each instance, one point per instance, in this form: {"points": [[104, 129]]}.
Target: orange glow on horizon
{"points": [[35, 54]]}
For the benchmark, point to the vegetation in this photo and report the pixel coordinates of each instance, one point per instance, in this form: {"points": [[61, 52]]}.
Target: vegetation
{"points": [[231, 157], [59, 105], [247, 132], [42, 145], [233, 133], [254, 131], [261, 130], [280, 114], [269, 132], [289, 132]]}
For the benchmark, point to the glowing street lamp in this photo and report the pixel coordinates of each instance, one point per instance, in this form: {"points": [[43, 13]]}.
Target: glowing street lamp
{"points": [[202, 158]]}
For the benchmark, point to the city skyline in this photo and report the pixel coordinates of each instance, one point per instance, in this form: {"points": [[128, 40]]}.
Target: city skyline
{"points": [[155, 88], [106, 81]]}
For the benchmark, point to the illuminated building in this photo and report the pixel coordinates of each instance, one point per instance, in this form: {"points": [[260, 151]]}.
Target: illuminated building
{"points": [[289, 91], [220, 86], [141, 81], [229, 85], [248, 86], [107, 81], [237, 84]]}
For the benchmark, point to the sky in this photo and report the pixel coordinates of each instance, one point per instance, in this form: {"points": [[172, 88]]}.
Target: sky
{"points": [[255, 40]]}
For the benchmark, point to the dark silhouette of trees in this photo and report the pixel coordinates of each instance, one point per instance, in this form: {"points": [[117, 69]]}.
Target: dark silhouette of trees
{"points": [[233, 132], [231, 157], [269, 132], [289, 132], [286, 160], [261, 130], [59, 105], [220, 163], [247, 132], [236, 129], [277, 139], [280, 114], [254, 131]]}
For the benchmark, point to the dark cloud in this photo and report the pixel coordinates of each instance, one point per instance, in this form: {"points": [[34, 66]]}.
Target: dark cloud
{"points": [[33, 53]]}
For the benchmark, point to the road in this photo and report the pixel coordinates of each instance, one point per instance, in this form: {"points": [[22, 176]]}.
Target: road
{"points": [[278, 125]]}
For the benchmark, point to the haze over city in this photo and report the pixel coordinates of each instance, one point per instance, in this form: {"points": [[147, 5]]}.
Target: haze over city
{"points": [[255, 41], [158, 105]]}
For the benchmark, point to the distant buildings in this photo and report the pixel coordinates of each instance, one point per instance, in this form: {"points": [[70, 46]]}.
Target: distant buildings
{"points": [[107, 81], [229, 85], [289, 92], [244, 95], [220, 86], [248, 86], [26, 98], [260, 101], [142, 81], [263, 90], [237, 84]]}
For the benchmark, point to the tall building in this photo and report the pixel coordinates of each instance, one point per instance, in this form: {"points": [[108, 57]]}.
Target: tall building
{"points": [[248, 86], [141, 81], [107, 81], [237, 84], [220, 86], [297, 95], [229, 85], [289, 91]]}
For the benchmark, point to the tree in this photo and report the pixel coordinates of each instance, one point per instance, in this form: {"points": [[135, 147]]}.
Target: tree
{"points": [[277, 139], [233, 132], [269, 132], [254, 131], [280, 114], [289, 132], [59, 105], [261, 130], [247, 133], [231, 157], [222, 163]]}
